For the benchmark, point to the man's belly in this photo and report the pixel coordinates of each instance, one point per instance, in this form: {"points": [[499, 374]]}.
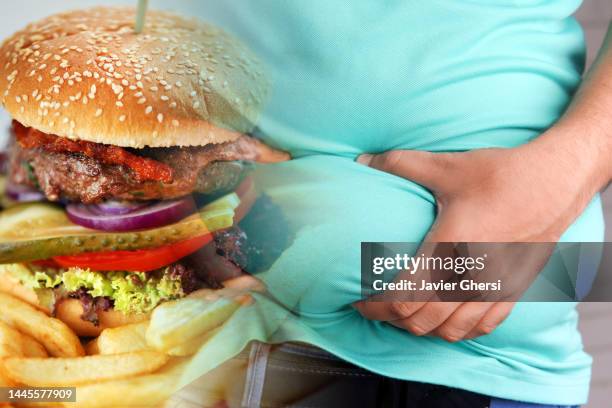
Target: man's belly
{"points": [[333, 204]]}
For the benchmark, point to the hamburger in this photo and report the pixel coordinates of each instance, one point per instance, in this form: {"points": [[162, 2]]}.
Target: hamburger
{"points": [[127, 169]]}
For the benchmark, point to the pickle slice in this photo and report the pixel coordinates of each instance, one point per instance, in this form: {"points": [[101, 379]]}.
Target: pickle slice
{"points": [[37, 231], [217, 219], [229, 201]]}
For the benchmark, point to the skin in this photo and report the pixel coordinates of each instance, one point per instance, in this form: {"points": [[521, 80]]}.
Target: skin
{"points": [[557, 175]]}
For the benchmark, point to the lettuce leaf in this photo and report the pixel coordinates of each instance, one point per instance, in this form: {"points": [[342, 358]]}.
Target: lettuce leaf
{"points": [[131, 292]]}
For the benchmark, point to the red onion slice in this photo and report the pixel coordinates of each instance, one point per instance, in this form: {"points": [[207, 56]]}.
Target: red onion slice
{"points": [[113, 207], [23, 194], [151, 216]]}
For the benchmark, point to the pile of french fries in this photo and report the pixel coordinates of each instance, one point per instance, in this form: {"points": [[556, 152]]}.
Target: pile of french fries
{"points": [[134, 365]]}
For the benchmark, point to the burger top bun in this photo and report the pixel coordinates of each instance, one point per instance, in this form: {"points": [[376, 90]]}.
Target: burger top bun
{"points": [[87, 75]]}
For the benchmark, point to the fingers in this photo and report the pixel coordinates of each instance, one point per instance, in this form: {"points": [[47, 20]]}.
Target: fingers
{"points": [[428, 318], [425, 168], [387, 311], [451, 321], [463, 321], [492, 319]]}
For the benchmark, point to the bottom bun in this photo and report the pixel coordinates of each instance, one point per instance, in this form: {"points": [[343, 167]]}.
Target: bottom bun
{"points": [[70, 310]]}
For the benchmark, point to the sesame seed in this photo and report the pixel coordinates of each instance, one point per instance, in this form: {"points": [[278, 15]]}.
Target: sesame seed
{"points": [[160, 117], [98, 112], [173, 104], [142, 100], [164, 98], [148, 110], [119, 104], [121, 118], [196, 105]]}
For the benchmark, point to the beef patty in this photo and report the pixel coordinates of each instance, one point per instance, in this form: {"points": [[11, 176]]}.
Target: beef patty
{"points": [[77, 177]]}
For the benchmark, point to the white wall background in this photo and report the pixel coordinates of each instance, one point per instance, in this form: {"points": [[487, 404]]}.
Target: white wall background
{"points": [[595, 16]]}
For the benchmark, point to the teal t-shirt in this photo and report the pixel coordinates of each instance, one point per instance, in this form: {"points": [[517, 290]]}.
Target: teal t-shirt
{"points": [[367, 76]]}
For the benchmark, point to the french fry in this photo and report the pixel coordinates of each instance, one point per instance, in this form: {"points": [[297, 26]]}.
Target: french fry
{"points": [[57, 372], [53, 334], [192, 346], [16, 344], [245, 283], [32, 348], [91, 348], [123, 339], [4, 380], [141, 391], [220, 387], [176, 322]]}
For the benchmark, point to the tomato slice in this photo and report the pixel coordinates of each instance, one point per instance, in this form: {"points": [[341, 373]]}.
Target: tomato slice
{"points": [[141, 260]]}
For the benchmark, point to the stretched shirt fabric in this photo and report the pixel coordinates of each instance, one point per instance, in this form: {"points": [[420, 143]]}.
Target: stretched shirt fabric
{"points": [[368, 76]]}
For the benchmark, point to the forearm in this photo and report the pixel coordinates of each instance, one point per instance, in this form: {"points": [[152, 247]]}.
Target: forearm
{"points": [[587, 123]]}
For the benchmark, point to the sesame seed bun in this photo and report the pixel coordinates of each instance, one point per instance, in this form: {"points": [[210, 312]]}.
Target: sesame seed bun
{"points": [[86, 75]]}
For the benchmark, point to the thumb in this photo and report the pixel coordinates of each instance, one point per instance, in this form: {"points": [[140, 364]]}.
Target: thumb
{"points": [[425, 168]]}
